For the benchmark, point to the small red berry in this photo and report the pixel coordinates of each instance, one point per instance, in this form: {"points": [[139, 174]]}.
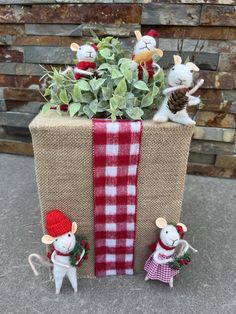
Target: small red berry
{"points": [[87, 246], [64, 107], [86, 257], [78, 257], [83, 242], [182, 262]]}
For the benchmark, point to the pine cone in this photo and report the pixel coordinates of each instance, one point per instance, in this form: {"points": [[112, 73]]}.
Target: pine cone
{"points": [[177, 101]]}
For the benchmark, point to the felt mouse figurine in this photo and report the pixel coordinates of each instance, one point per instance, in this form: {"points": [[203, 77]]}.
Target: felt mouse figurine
{"points": [[144, 50], [86, 55], [158, 266], [177, 95], [67, 252]]}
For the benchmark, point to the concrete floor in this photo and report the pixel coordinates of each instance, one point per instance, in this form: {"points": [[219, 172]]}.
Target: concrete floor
{"points": [[209, 211]]}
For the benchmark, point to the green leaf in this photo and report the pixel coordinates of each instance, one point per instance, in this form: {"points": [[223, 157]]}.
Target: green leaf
{"points": [[74, 108], [102, 106], [124, 61], [148, 114], [96, 83], [113, 117], [141, 85], [83, 85], [156, 58], [130, 99], [145, 75], [129, 95], [47, 92], [106, 53], [147, 100], [187, 60], [93, 106], [46, 107], [94, 35], [87, 97], [134, 113], [115, 74], [160, 77], [120, 101], [106, 93], [57, 77], [155, 90], [104, 66], [113, 104], [128, 74], [87, 111], [63, 96], [121, 88], [76, 92], [115, 42], [108, 39]]}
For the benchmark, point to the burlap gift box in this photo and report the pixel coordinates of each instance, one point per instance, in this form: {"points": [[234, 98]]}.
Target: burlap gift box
{"points": [[63, 161]]}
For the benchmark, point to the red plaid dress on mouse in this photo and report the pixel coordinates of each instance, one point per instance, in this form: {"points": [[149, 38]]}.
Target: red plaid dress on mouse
{"points": [[162, 272]]}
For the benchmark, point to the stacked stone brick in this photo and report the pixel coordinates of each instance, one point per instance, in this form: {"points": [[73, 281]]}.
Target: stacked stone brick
{"points": [[40, 32]]}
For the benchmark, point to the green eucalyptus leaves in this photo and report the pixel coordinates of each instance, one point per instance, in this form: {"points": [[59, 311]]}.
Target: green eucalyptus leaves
{"points": [[114, 92]]}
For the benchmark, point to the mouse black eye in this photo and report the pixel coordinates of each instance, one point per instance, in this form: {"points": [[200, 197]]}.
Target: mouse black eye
{"points": [[69, 235], [56, 239], [166, 231], [191, 71], [172, 69]]}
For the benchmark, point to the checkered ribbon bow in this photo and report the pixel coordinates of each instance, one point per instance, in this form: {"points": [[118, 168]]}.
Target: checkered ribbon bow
{"points": [[116, 154]]}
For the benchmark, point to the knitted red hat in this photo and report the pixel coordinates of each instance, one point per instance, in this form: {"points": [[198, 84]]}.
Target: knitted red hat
{"points": [[94, 47], [153, 33], [57, 223]]}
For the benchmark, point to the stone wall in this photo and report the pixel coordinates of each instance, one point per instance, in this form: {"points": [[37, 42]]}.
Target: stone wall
{"points": [[40, 32]]}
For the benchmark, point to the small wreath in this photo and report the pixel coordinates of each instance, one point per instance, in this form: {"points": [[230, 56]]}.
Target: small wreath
{"points": [[181, 261], [80, 252]]}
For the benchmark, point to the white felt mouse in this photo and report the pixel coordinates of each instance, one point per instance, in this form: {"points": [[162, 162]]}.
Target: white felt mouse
{"points": [[144, 50], [86, 56], [157, 266], [180, 78], [61, 234]]}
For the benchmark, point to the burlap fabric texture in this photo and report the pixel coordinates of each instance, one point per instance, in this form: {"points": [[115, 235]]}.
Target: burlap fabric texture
{"points": [[63, 163]]}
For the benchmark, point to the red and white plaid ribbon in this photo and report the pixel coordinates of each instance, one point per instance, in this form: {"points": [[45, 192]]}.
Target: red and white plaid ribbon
{"points": [[116, 154]]}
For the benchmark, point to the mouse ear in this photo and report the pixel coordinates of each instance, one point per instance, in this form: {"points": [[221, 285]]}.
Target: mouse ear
{"points": [[192, 66], [74, 47], [161, 222], [183, 226], [74, 227], [138, 35], [47, 239], [177, 59]]}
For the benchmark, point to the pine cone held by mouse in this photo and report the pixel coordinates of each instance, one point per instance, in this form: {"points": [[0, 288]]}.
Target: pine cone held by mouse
{"points": [[177, 101]]}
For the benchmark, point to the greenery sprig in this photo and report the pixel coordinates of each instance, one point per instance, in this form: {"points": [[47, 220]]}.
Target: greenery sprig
{"points": [[115, 91], [75, 257], [181, 261]]}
